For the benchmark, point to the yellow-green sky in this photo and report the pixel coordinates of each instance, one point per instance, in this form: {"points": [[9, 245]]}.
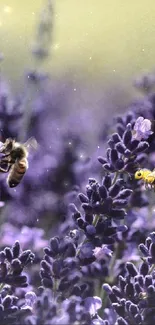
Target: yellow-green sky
{"points": [[96, 38]]}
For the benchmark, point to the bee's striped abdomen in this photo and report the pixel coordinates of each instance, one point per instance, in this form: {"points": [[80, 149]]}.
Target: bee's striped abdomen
{"points": [[17, 172]]}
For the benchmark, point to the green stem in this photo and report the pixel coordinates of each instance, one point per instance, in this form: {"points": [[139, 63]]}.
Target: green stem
{"points": [[54, 288], [103, 295], [95, 221], [1, 286], [151, 269], [115, 255], [115, 177]]}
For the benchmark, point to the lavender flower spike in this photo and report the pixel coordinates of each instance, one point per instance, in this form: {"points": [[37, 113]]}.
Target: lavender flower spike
{"points": [[142, 129]]}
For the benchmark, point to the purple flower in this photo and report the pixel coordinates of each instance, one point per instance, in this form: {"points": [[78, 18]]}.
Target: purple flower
{"points": [[28, 237], [30, 300], [102, 252], [142, 129], [134, 295], [92, 304], [124, 153]]}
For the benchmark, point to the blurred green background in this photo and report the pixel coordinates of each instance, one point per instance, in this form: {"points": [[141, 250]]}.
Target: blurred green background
{"points": [[108, 40]]}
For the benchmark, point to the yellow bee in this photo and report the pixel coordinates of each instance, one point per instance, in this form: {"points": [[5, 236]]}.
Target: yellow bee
{"points": [[147, 176], [15, 159]]}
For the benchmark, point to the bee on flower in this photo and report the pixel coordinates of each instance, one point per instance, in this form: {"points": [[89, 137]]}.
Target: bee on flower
{"points": [[147, 176], [142, 130]]}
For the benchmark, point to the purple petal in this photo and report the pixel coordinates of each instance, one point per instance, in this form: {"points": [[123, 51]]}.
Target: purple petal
{"points": [[92, 304]]}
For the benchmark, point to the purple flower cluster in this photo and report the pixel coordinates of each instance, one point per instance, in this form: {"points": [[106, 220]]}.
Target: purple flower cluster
{"points": [[79, 260], [123, 151], [134, 297], [77, 240], [12, 263]]}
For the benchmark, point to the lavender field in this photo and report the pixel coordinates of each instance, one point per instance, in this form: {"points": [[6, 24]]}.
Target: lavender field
{"points": [[77, 234]]}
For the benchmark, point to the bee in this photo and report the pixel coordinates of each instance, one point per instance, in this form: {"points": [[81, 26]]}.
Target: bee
{"points": [[15, 159], [147, 176]]}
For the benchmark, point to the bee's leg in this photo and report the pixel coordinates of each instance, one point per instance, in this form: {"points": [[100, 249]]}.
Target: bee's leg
{"points": [[152, 186], [4, 170], [6, 155], [4, 161], [146, 186]]}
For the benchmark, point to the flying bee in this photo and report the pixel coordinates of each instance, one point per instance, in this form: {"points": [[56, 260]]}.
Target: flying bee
{"points": [[15, 159], [147, 176]]}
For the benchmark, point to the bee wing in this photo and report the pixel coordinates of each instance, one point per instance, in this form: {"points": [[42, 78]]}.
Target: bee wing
{"points": [[31, 144], [153, 173], [1, 145]]}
